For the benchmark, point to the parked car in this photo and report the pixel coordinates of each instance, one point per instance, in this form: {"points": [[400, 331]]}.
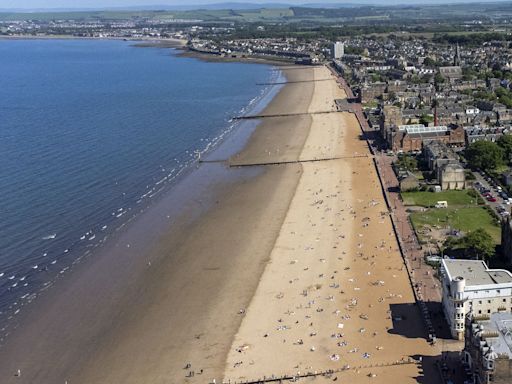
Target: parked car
{"points": [[491, 199]]}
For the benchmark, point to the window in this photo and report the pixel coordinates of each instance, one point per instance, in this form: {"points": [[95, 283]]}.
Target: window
{"points": [[504, 300], [488, 301], [479, 311], [479, 301], [488, 311]]}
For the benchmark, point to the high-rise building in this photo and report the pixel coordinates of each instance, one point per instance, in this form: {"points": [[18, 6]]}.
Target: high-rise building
{"points": [[338, 50]]}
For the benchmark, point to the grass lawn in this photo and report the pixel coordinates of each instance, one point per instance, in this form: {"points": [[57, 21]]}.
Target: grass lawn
{"points": [[429, 199], [463, 219]]}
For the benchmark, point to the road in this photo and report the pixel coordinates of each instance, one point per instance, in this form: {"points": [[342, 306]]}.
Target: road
{"points": [[485, 184]]}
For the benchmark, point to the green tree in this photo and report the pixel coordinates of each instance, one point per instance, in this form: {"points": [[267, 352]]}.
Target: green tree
{"points": [[505, 143], [438, 78], [485, 155], [415, 79], [426, 119], [408, 163], [478, 245], [468, 73], [429, 62]]}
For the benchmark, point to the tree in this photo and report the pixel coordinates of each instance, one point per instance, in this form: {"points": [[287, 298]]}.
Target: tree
{"points": [[429, 62], [505, 143], [478, 245], [475, 245], [485, 155], [408, 163], [438, 78], [426, 119]]}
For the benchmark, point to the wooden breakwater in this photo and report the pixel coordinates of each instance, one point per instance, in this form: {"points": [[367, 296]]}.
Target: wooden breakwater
{"points": [[296, 82], [253, 117], [298, 161], [324, 373]]}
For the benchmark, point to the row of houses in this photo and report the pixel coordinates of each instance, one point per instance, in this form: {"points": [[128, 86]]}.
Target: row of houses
{"points": [[412, 137]]}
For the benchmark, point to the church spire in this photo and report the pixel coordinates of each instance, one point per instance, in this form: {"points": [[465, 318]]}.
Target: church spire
{"points": [[456, 59]]}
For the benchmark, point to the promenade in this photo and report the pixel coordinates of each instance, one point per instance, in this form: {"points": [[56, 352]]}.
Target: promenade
{"points": [[426, 287]]}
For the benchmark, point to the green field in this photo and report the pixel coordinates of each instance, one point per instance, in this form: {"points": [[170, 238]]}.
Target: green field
{"points": [[249, 15], [429, 199], [463, 219]]}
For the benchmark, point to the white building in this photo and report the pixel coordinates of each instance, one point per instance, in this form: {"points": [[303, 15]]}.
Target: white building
{"points": [[472, 110], [470, 286], [338, 50]]}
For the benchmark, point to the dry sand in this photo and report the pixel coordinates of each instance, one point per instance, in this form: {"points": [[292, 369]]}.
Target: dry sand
{"points": [[119, 320], [280, 270], [335, 278]]}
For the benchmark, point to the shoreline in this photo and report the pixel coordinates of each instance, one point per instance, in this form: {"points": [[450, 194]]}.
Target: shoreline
{"points": [[230, 139], [163, 43], [43, 321], [279, 270]]}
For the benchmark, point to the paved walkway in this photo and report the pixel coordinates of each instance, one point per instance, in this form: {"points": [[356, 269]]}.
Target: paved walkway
{"points": [[427, 287], [423, 275]]}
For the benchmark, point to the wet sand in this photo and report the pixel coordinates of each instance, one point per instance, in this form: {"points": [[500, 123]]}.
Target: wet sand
{"points": [[292, 269], [140, 312], [335, 279]]}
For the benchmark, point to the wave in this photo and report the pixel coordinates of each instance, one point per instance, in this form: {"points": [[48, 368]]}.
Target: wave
{"points": [[161, 178]]}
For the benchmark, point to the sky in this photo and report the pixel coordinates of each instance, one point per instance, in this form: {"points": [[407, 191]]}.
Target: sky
{"points": [[37, 4]]}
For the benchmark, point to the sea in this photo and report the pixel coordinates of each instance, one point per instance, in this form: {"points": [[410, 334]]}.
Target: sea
{"points": [[92, 130]]}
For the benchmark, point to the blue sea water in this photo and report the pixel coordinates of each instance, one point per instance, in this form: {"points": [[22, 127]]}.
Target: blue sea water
{"points": [[89, 131]]}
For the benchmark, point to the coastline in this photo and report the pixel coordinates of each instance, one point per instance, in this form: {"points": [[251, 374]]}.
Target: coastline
{"points": [[106, 225], [74, 324], [151, 42], [278, 270]]}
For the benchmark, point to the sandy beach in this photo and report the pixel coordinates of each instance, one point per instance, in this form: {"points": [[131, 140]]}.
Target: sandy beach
{"points": [[294, 269], [335, 292]]}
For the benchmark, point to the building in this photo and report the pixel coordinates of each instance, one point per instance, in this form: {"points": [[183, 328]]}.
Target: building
{"points": [[437, 154], [451, 73], [507, 178], [338, 50], [488, 348], [506, 238], [451, 177], [469, 286], [411, 138], [371, 91], [476, 133], [443, 161], [456, 59]]}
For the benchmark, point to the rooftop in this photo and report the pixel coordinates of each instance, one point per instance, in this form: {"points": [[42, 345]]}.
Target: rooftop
{"points": [[475, 272], [420, 128], [497, 332]]}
